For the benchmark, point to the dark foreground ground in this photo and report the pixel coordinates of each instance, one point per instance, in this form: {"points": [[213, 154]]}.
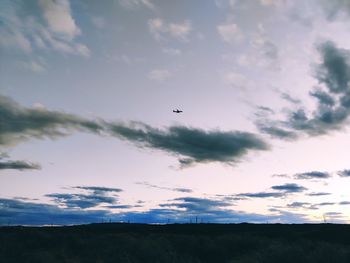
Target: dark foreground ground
{"points": [[248, 243]]}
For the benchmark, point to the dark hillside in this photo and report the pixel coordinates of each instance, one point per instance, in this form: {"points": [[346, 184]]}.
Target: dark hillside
{"points": [[247, 243]]}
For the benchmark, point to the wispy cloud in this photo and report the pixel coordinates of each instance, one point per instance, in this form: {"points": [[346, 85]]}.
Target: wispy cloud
{"points": [[318, 194], [56, 29], [171, 51], [99, 189], [230, 33], [161, 29], [134, 4], [175, 189], [159, 75]]}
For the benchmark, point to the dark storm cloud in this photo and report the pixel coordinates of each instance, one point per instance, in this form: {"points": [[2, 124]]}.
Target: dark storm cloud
{"points": [[175, 189], [289, 188], [312, 175], [18, 123], [18, 165], [332, 95], [344, 173], [191, 145]]}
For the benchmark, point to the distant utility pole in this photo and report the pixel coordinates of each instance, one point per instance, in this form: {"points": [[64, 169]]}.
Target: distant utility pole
{"points": [[324, 219], [196, 220]]}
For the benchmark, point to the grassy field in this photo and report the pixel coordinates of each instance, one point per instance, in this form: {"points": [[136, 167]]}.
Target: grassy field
{"points": [[180, 243]]}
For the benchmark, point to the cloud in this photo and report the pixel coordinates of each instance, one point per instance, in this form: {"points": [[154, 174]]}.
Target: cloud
{"points": [[134, 4], [18, 165], [335, 8], [289, 98], [171, 51], [289, 188], [344, 173], [82, 201], [175, 189], [323, 97], [333, 104], [96, 196], [19, 123], [270, 2], [197, 205], [344, 203], [263, 195], [318, 194], [58, 17], [34, 66], [299, 205], [159, 75], [160, 29], [98, 21], [275, 132], [230, 33], [192, 145], [265, 47], [238, 80], [312, 175], [279, 191], [53, 29], [17, 212], [306, 205], [179, 210], [99, 189]]}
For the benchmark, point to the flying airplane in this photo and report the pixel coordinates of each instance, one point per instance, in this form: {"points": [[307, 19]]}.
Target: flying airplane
{"points": [[177, 111]]}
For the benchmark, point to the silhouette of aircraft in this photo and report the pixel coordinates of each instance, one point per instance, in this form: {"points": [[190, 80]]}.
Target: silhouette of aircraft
{"points": [[177, 111]]}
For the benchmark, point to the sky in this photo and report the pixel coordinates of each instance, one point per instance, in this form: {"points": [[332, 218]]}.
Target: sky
{"points": [[87, 128]]}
